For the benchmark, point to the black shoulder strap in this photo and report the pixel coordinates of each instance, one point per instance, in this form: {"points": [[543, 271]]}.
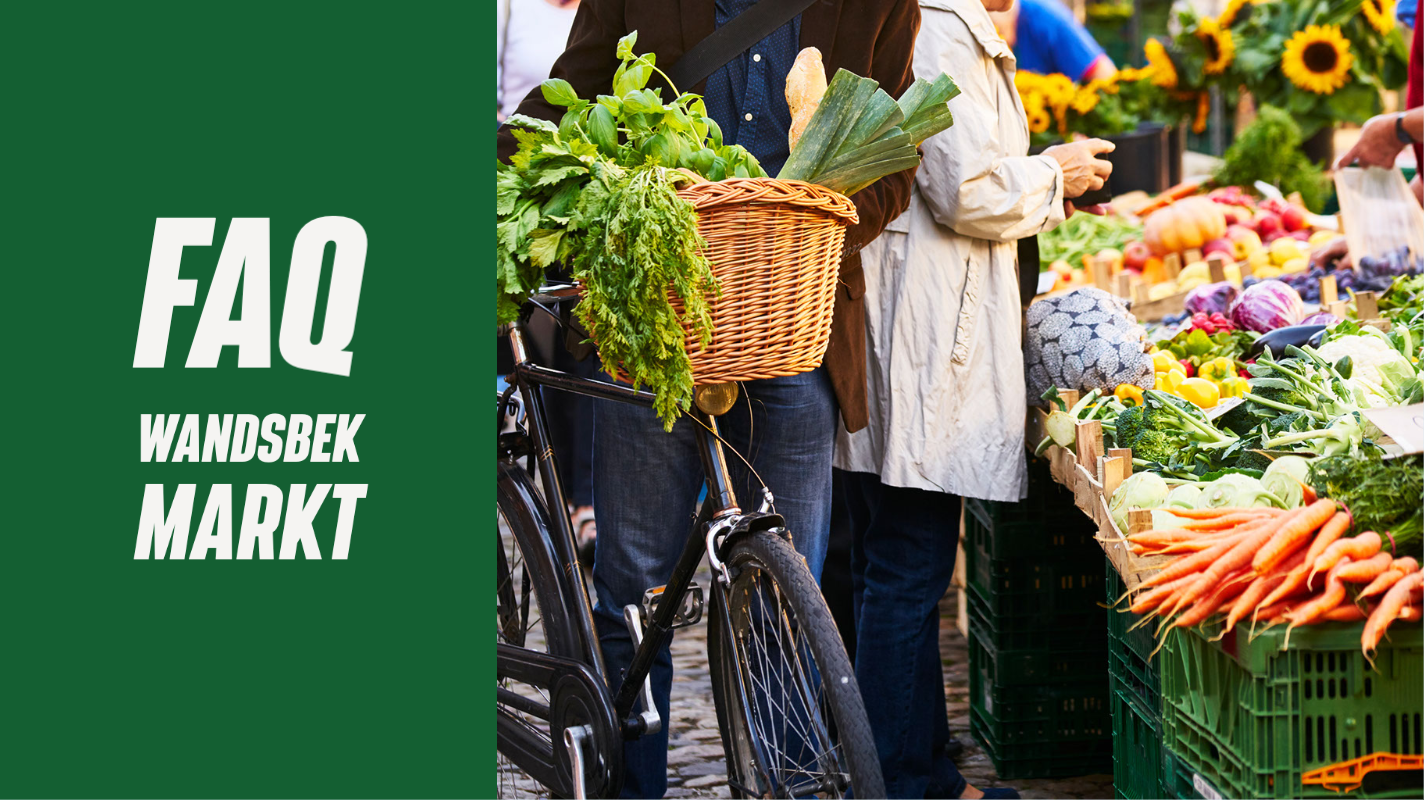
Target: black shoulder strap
{"points": [[725, 43]]}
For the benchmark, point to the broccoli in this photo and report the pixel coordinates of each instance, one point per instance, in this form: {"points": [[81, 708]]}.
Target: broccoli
{"points": [[1285, 422], [1126, 427], [1240, 420], [1250, 459], [1154, 445]]}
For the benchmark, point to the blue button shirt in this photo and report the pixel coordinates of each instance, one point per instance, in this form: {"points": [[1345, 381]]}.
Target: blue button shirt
{"points": [[747, 96], [1049, 39]]}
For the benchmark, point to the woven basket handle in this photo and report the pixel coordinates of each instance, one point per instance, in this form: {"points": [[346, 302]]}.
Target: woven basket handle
{"points": [[771, 191]]}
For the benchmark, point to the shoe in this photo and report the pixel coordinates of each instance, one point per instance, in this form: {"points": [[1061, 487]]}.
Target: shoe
{"points": [[953, 748], [1000, 792]]}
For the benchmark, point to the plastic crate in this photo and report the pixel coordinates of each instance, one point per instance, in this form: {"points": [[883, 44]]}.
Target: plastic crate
{"points": [[1130, 657], [1044, 713], [1072, 627], [1044, 526], [1058, 759], [1037, 666], [1248, 719], [1033, 587], [1142, 766]]}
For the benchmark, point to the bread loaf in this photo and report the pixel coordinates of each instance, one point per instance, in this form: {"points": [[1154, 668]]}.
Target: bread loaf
{"points": [[805, 84]]}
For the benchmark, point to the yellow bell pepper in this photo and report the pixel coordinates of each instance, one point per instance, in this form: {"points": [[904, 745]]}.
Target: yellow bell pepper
{"points": [[1162, 361], [1217, 369], [1235, 386], [1169, 380], [1130, 394], [1200, 392]]}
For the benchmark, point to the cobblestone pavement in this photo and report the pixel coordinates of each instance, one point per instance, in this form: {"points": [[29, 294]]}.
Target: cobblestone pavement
{"points": [[695, 760]]}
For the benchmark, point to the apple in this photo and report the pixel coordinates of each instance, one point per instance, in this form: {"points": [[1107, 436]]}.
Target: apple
{"points": [[1303, 236], [1267, 223], [1293, 218], [1135, 255], [1223, 245], [1244, 239], [1274, 235]]}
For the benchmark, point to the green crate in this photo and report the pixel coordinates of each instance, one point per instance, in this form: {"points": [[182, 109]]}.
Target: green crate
{"points": [[1130, 657], [1073, 627], [1046, 713], [1033, 587], [1249, 718], [1044, 526], [1057, 759], [1142, 767], [1037, 666]]}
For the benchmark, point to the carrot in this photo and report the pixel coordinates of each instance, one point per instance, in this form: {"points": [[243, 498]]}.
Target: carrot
{"points": [[1152, 599], [1367, 570], [1313, 609], [1293, 534], [1191, 563], [1409, 614], [1229, 520], [1202, 513], [1357, 548], [1386, 612], [1238, 557], [1382, 583], [1328, 535], [1258, 589], [1170, 196], [1345, 612], [1208, 605], [1406, 565]]}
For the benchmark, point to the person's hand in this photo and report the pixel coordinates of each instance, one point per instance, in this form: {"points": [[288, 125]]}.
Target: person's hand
{"points": [[1083, 171], [1378, 145], [1334, 251]]}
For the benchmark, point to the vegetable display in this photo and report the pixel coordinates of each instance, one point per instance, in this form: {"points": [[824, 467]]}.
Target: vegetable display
{"points": [[1083, 235], [1271, 566]]}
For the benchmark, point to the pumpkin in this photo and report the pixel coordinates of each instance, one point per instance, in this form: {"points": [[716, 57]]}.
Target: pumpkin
{"points": [[1184, 225]]}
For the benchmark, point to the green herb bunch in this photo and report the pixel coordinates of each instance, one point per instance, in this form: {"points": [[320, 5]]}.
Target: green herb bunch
{"points": [[1269, 150], [598, 192], [1382, 495]]}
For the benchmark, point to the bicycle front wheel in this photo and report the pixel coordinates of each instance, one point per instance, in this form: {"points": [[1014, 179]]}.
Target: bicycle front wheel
{"points": [[792, 720]]}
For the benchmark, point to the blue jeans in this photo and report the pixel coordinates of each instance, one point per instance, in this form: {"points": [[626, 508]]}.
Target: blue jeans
{"points": [[645, 488], [902, 560]]}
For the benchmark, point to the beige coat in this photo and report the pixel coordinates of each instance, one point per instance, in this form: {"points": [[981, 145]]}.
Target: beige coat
{"points": [[946, 379]]}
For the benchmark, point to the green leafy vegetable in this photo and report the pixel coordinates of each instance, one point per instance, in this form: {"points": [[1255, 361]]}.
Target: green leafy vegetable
{"points": [[1383, 496], [1269, 150], [1085, 234]]}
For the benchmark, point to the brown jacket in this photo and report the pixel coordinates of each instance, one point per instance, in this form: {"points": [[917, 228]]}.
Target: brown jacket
{"points": [[874, 38]]}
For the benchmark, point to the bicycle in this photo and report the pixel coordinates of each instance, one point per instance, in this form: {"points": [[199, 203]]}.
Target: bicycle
{"points": [[789, 712]]}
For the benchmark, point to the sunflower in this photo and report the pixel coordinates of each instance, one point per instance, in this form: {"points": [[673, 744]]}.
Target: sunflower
{"points": [[1220, 48], [1038, 116], [1203, 110], [1380, 13], [1318, 59], [1164, 74], [1228, 16], [1085, 100]]}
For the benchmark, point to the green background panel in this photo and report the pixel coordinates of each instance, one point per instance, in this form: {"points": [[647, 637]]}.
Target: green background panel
{"points": [[363, 677]]}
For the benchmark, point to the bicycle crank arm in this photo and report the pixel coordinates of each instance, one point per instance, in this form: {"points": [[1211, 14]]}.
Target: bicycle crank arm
{"points": [[652, 723]]}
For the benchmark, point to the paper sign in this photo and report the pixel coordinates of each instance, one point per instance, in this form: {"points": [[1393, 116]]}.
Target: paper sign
{"points": [[1403, 424], [1223, 407], [1046, 280]]}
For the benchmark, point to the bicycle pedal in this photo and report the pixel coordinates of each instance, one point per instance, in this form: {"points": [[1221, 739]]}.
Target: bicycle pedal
{"points": [[690, 613]]}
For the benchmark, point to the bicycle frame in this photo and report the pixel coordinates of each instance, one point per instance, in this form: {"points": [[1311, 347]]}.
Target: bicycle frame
{"points": [[719, 514]]}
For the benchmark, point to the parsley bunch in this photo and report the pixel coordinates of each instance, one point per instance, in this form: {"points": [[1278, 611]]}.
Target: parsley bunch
{"points": [[598, 191]]}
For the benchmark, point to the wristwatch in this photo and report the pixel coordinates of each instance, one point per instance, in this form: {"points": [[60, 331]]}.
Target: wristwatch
{"points": [[1399, 132]]}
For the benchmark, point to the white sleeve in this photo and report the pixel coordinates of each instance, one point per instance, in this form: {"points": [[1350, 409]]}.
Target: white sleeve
{"points": [[967, 185]]}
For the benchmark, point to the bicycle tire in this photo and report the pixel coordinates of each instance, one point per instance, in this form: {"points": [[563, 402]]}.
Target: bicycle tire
{"points": [[525, 573], [764, 564]]}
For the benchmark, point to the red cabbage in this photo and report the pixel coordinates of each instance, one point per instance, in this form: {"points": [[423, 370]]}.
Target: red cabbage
{"points": [[1211, 298], [1320, 318], [1266, 306]]}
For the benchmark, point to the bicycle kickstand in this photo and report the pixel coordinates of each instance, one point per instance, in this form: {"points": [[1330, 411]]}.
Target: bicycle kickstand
{"points": [[574, 739]]}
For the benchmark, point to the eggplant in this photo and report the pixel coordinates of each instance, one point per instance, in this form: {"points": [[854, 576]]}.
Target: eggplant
{"points": [[1280, 338]]}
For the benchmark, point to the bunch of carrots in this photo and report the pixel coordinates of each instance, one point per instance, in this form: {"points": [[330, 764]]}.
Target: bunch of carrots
{"points": [[1292, 566]]}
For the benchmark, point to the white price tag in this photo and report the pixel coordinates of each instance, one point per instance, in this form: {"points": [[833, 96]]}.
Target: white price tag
{"points": [[1403, 424], [1206, 790]]}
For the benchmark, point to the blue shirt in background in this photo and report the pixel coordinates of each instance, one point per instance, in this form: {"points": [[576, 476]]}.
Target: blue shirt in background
{"points": [[1050, 40], [1404, 12], [747, 96]]}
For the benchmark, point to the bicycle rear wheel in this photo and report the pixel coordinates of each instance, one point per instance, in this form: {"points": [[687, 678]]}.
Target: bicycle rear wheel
{"points": [[792, 720]]}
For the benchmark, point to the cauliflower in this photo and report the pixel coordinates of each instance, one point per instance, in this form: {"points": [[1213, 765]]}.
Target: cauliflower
{"points": [[1368, 352]]}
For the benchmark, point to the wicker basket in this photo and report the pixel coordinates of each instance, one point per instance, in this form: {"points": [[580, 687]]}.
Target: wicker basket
{"points": [[775, 247]]}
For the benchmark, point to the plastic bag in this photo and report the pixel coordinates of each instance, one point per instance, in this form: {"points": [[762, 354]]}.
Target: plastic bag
{"points": [[1378, 212], [1211, 298]]}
